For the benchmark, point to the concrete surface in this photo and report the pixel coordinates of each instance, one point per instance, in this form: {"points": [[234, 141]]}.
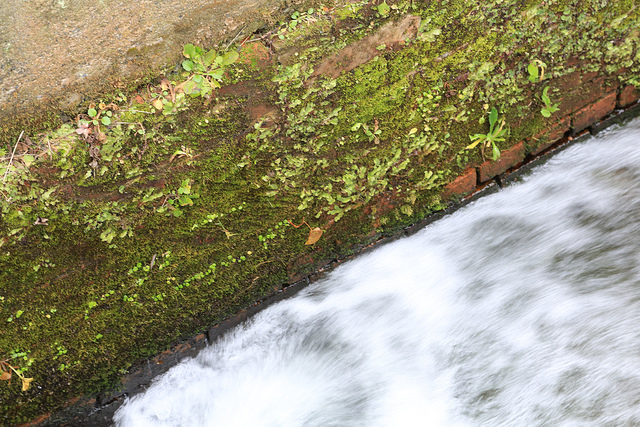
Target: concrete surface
{"points": [[54, 53]]}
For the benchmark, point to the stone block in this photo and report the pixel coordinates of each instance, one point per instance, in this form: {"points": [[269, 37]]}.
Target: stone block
{"points": [[628, 95], [590, 114], [507, 160], [462, 185]]}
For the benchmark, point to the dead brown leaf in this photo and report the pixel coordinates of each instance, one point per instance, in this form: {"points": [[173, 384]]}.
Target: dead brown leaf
{"points": [[25, 383], [314, 236], [6, 376], [157, 104]]}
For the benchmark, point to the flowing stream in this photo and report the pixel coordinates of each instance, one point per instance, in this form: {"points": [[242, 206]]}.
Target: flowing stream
{"points": [[521, 309]]}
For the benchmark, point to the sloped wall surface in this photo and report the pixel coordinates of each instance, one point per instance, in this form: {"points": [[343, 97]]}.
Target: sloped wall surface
{"points": [[153, 212]]}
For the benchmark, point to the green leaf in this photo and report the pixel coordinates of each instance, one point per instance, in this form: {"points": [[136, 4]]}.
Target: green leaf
{"points": [[187, 65], [384, 9], [209, 57], [477, 139], [185, 200], [545, 97], [189, 51], [545, 112], [106, 121], [533, 72], [493, 117], [185, 187], [496, 152], [190, 88], [217, 73], [92, 112], [230, 57], [27, 159]]}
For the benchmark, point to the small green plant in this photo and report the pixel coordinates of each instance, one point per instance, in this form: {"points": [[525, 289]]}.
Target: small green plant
{"points": [[536, 70], [383, 9], [350, 10], [548, 108], [496, 134], [297, 17], [178, 199], [372, 134], [207, 69]]}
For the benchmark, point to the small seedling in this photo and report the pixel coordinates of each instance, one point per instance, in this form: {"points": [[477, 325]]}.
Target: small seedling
{"points": [[536, 70], [548, 108], [490, 139], [297, 17], [207, 69], [383, 9]]}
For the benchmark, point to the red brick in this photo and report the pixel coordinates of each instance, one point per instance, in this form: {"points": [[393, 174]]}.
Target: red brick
{"points": [[462, 185], [594, 112], [508, 159], [551, 135], [628, 95]]}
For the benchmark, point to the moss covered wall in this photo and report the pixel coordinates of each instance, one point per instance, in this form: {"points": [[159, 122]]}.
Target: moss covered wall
{"points": [[161, 211]]}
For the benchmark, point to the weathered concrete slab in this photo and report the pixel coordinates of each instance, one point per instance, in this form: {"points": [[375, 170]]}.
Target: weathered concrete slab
{"points": [[55, 52]]}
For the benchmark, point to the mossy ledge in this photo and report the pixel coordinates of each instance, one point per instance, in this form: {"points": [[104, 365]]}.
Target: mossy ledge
{"points": [[122, 238]]}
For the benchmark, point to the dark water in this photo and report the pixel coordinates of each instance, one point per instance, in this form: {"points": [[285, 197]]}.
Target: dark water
{"points": [[522, 309]]}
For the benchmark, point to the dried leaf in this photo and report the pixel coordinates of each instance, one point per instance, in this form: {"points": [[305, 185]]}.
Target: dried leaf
{"points": [[25, 383], [179, 88], [314, 236], [41, 221], [6, 376], [164, 84], [157, 104], [84, 129]]}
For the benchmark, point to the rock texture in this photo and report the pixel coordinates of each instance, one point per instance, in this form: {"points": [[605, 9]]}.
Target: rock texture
{"points": [[55, 52]]}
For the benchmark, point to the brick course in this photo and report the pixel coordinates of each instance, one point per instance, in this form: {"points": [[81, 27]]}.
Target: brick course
{"points": [[594, 112], [462, 185], [508, 159], [552, 135]]}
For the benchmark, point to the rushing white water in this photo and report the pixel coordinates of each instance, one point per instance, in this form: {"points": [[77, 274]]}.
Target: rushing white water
{"points": [[522, 309]]}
